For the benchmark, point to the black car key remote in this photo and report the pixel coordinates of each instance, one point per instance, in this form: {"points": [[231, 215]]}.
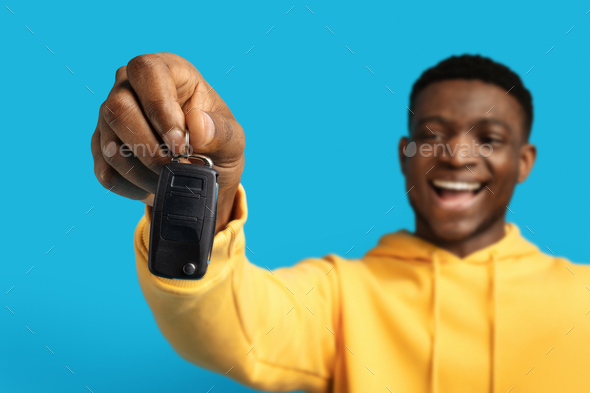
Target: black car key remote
{"points": [[184, 215]]}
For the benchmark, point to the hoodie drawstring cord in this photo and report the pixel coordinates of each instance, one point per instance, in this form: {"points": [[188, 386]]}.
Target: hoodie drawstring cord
{"points": [[494, 316], [435, 320]]}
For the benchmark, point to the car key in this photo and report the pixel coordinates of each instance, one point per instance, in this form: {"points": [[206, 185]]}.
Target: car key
{"points": [[184, 216]]}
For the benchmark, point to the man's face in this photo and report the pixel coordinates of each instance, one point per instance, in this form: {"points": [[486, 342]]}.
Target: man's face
{"points": [[460, 190]]}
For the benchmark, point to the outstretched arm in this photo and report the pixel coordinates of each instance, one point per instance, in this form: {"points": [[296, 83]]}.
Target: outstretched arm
{"points": [[270, 330]]}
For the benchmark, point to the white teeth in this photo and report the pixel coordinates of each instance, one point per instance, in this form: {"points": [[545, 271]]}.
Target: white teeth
{"points": [[457, 185]]}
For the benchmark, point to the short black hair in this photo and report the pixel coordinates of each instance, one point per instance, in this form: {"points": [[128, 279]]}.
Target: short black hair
{"points": [[477, 67]]}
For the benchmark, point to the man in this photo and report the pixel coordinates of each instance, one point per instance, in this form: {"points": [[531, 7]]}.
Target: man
{"points": [[464, 304]]}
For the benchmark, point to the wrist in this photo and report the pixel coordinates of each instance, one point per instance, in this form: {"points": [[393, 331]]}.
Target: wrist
{"points": [[225, 207], [149, 200]]}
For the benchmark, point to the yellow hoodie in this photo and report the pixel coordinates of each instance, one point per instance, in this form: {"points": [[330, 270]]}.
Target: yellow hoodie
{"points": [[406, 317]]}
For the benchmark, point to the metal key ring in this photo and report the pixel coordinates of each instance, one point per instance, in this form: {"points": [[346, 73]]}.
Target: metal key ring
{"points": [[206, 160], [186, 144]]}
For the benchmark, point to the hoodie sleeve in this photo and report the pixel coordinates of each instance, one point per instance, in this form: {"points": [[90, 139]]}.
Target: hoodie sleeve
{"points": [[269, 330]]}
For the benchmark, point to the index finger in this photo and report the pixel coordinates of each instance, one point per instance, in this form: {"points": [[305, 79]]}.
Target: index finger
{"points": [[157, 87]]}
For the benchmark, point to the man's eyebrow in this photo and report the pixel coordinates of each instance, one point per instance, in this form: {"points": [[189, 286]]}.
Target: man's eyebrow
{"points": [[494, 120], [480, 121], [437, 118]]}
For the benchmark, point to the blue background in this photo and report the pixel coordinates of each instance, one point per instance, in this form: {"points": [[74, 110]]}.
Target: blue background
{"points": [[319, 127]]}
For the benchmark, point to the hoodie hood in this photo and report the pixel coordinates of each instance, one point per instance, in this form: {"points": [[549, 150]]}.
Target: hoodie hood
{"points": [[405, 246]]}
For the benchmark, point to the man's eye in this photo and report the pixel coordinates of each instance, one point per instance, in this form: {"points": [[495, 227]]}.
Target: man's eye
{"points": [[490, 140], [429, 134], [432, 137]]}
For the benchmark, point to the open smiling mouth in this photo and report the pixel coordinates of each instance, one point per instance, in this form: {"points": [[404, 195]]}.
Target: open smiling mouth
{"points": [[455, 195]]}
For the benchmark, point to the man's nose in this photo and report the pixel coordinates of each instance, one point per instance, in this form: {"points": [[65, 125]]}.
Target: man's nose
{"points": [[460, 151]]}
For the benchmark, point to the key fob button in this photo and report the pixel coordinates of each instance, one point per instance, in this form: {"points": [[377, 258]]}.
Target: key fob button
{"points": [[185, 183], [189, 269], [184, 204], [181, 229]]}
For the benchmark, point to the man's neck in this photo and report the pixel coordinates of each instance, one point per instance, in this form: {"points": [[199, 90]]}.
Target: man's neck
{"points": [[467, 246]]}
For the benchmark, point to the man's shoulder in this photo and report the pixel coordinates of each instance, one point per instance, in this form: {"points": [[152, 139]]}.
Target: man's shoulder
{"points": [[557, 266], [583, 268]]}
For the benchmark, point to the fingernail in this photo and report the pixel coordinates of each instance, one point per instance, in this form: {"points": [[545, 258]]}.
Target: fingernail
{"points": [[208, 129], [174, 139]]}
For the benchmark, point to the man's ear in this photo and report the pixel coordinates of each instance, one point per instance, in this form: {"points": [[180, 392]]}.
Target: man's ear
{"points": [[526, 160], [403, 143]]}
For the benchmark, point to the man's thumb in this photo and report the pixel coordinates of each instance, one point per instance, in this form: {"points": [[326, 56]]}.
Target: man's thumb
{"points": [[201, 128]]}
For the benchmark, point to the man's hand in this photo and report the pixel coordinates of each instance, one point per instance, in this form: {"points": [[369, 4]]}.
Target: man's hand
{"points": [[156, 97]]}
